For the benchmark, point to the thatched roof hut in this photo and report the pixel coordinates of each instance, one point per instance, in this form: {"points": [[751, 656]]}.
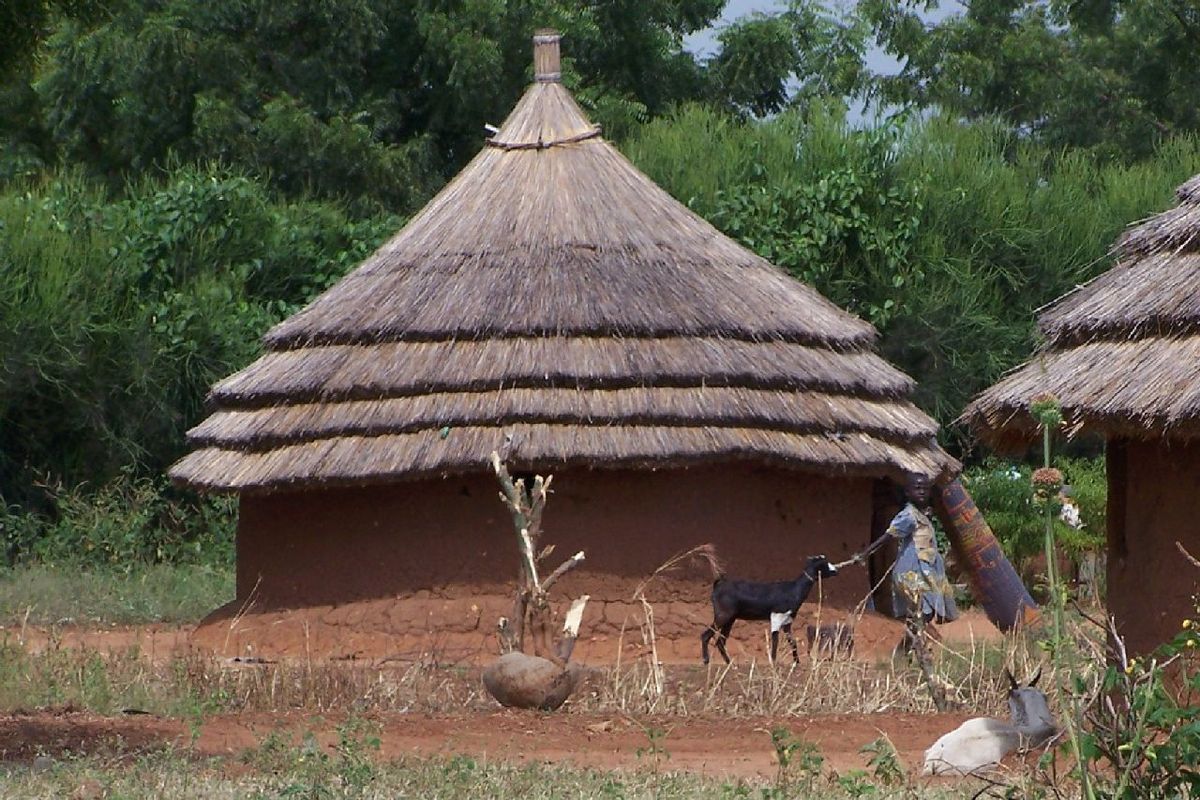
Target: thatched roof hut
{"points": [[1121, 355], [1120, 352], [553, 302]]}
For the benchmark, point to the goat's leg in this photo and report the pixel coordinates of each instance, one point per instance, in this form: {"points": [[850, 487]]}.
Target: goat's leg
{"points": [[704, 638], [774, 644], [787, 631], [721, 637]]}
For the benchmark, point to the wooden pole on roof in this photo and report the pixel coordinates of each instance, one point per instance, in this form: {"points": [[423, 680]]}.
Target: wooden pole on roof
{"points": [[547, 67]]}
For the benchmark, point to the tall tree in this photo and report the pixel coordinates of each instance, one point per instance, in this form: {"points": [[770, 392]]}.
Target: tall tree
{"points": [[769, 62], [1114, 76], [375, 99]]}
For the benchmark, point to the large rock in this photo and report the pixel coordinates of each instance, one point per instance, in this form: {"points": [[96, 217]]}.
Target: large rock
{"points": [[518, 680]]}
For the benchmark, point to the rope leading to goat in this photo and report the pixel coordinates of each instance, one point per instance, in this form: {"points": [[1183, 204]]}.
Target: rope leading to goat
{"points": [[866, 553]]}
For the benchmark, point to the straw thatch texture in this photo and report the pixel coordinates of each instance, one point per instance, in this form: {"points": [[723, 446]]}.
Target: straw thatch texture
{"points": [[392, 369], [553, 303], [566, 240], [1122, 352], [348, 460]]}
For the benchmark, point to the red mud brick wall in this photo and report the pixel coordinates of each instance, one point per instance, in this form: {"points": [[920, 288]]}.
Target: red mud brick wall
{"points": [[453, 538], [1150, 586]]}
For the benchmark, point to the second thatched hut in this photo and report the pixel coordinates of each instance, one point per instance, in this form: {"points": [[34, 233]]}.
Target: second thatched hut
{"points": [[554, 304], [1122, 356]]}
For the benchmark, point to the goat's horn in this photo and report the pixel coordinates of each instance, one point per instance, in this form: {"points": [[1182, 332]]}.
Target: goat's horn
{"points": [[1033, 681], [1011, 679]]}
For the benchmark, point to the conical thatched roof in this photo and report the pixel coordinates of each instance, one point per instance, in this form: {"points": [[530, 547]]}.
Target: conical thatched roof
{"points": [[553, 303], [1122, 353]]}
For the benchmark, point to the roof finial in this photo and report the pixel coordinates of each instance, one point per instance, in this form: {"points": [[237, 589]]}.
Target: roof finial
{"points": [[546, 67]]}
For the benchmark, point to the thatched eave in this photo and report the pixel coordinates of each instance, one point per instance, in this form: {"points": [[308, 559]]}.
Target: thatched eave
{"points": [[1175, 231], [1144, 388], [398, 369], [696, 407], [351, 461], [1155, 296]]}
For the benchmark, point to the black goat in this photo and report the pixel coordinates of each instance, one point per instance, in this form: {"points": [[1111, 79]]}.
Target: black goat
{"points": [[737, 599]]}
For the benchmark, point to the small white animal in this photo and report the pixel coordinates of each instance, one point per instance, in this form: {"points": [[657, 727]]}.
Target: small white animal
{"points": [[982, 743]]}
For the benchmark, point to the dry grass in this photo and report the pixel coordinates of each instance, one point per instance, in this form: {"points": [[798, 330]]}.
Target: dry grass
{"points": [[194, 686], [195, 683], [971, 675]]}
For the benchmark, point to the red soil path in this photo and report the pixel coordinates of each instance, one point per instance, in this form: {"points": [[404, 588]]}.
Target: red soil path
{"points": [[720, 748], [361, 631]]}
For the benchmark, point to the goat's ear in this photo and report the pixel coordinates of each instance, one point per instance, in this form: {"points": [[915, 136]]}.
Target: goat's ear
{"points": [[1012, 681], [1036, 676]]}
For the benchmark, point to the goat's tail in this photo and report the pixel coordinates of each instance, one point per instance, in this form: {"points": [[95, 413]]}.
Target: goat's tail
{"points": [[708, 553]]}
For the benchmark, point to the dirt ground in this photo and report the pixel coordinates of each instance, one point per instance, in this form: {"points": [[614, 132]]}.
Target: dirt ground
{"points": [[720, 748], [347, 633], [717, 747]]}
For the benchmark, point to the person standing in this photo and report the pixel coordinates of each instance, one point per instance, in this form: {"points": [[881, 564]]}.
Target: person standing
{"points": [[921, 592]]}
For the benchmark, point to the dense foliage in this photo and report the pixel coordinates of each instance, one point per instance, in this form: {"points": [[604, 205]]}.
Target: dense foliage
{"points": [[375, 101], [1003, 494], [1117, 77], [116, 316], [176, 176], [946, 236]]}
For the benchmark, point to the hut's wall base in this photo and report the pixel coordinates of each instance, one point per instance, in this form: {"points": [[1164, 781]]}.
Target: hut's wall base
{"points": [[1150, 586], [452, 539]]}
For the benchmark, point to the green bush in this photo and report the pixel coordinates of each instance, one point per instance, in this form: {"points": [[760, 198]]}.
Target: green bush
{"points": [[1003, 493], [116, 316], [125, 523]]}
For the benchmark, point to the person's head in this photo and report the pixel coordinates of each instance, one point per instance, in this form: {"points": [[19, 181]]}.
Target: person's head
{"points": [[916, 491]]}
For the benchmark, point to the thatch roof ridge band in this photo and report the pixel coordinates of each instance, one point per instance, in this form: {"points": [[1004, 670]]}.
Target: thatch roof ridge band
{"points": [[341, 372], [262, 428], [355, 460], [749, 334]]}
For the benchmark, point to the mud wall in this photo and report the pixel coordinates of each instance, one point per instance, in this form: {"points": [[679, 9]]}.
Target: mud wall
{"points": [[1154, 501], [453, 538]]}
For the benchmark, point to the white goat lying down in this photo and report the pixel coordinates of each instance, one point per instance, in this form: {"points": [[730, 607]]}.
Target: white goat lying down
{"points": [[982, 743]]}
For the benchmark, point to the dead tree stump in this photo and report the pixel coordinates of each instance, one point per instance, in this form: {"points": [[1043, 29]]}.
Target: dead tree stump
{"points": [[542, 679]]}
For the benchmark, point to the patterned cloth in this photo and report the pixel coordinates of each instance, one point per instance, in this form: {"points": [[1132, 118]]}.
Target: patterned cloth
{"points": [[919, 576]]}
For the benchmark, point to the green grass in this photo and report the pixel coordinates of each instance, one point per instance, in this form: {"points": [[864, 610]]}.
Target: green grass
{"points": [[40, 595]]}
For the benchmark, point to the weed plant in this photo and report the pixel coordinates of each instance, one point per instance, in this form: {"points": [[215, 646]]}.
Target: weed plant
{"points": [[1131, 725]]}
